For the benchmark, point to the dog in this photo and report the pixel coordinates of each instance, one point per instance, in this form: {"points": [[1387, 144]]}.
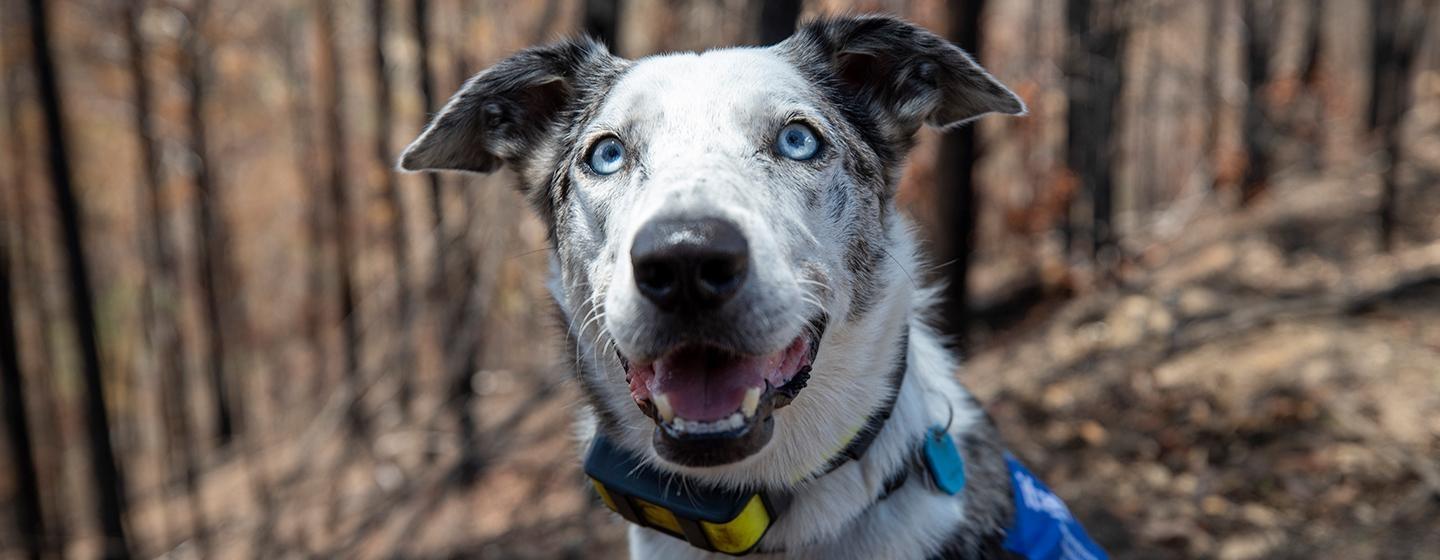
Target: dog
{"points": [[739, 292]]}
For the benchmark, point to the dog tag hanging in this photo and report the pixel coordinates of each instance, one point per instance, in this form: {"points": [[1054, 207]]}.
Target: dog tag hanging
{"points": [[946, 467]]}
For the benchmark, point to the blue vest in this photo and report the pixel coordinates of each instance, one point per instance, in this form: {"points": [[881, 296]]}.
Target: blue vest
{"points": [[1043, 528]]}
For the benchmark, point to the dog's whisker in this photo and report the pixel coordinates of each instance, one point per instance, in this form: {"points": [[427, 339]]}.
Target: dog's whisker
{"points": [[579, 334]]}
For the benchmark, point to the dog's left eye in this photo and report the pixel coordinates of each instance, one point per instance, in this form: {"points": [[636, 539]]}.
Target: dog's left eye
{"points": [[797, 141], [607, 156]]}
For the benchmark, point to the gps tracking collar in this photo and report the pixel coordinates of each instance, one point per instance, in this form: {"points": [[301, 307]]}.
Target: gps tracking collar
{"points": [[709, 518]]}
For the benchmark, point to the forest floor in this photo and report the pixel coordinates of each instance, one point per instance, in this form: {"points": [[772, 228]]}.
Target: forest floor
{"points": [[1266, 385]]}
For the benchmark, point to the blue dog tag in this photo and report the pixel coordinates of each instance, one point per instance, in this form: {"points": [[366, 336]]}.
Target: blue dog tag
{"points": [[943, 460]]}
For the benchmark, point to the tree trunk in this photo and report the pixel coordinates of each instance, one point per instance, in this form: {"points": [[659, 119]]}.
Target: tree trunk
{"points": [[1398, 35], [778, 19], [109, 483], [209, 219], [331, 78], [163, 323], [602, 21], [399, 242], [427, 94], [1094, 80], [28, 509], [955, 185], [1311, 119], [29, 517], [1314, 44], [464, 345], [1214, 99], [30, 261], [298, 74], [1259, 131]]}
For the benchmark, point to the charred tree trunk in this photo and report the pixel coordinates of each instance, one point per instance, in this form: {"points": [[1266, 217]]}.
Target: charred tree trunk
{"points": [[602, 21], [463, 350], [109, 483], [955, 178], [1259, 131], [298, 104], [209, 220], [1314, 45], [1094, 79], [1214, 99], [1398, 31], [337, 183], [778, 19], [29, 517], [29, 271], [1311, 120], [161, 294], [26, 503], [427, 94], [400, 243]]}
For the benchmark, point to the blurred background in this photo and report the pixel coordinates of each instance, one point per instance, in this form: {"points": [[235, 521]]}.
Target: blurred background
{"points": [[1198, 287]]}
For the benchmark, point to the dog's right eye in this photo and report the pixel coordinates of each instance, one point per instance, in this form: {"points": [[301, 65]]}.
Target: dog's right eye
{"points": [[607, 157]]}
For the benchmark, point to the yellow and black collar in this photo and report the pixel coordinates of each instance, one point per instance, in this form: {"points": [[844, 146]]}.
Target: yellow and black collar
{"points": [[709, 518]]}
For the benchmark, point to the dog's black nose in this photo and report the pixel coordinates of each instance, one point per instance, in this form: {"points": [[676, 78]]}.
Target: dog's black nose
{"points": [[686, 265]]}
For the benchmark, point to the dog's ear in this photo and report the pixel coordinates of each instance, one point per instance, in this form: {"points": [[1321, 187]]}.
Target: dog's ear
{"points": [[500, 115], [900, 72]]}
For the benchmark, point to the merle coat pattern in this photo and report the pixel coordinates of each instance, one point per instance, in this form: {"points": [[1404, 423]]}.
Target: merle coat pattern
{"points": [[826, 244]]}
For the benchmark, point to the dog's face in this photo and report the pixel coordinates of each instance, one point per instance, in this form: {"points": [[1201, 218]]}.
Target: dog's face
{"points": [[715, 215]]}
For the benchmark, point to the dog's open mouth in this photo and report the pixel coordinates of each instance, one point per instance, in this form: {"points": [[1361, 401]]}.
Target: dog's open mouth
{"points": [[712, 406]]}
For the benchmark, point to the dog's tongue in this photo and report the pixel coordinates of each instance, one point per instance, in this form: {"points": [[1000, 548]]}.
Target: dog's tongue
{"points": [[706, 384]]}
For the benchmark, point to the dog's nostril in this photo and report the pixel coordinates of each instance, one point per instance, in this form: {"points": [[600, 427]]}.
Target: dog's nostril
{"points": [[656, 278], [688, 265], [720, 275]]}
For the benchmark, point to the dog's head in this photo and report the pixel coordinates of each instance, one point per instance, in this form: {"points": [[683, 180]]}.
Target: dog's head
{"points": [[719, 220]]}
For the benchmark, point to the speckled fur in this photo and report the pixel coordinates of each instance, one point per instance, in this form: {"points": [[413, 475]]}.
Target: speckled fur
{"points": [[825, 238]]}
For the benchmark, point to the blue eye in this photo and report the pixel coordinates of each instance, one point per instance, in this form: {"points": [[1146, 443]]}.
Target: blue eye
{"points": [[797, 141], [607, 157]]}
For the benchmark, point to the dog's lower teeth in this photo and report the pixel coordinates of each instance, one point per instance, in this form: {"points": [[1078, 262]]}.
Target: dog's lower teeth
{"points": [[732, 422]]}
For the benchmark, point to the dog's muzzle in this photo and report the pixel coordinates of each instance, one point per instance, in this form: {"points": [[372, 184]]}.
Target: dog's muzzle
{"points": [[702, 380]]}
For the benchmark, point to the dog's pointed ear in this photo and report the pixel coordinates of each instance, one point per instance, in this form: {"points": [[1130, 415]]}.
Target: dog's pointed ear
{"points": [[501, 114], [901, 72]]}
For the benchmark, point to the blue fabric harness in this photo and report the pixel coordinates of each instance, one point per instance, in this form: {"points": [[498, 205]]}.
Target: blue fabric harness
{"points": [[1043, 528]]}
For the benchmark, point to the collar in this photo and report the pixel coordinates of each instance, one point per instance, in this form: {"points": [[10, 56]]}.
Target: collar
{"points": [[718, 520], [862, 440]]}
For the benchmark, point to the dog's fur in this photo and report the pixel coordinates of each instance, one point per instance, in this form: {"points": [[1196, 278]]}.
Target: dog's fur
{"points": [[825, 237]]}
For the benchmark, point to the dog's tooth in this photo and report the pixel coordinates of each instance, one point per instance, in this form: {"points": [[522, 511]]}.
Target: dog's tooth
{"points": [[752, 402], [680, 425], [662, 405]]}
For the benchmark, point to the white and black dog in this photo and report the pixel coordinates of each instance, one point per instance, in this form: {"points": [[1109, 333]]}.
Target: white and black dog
{"points": [[739, 292]]}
